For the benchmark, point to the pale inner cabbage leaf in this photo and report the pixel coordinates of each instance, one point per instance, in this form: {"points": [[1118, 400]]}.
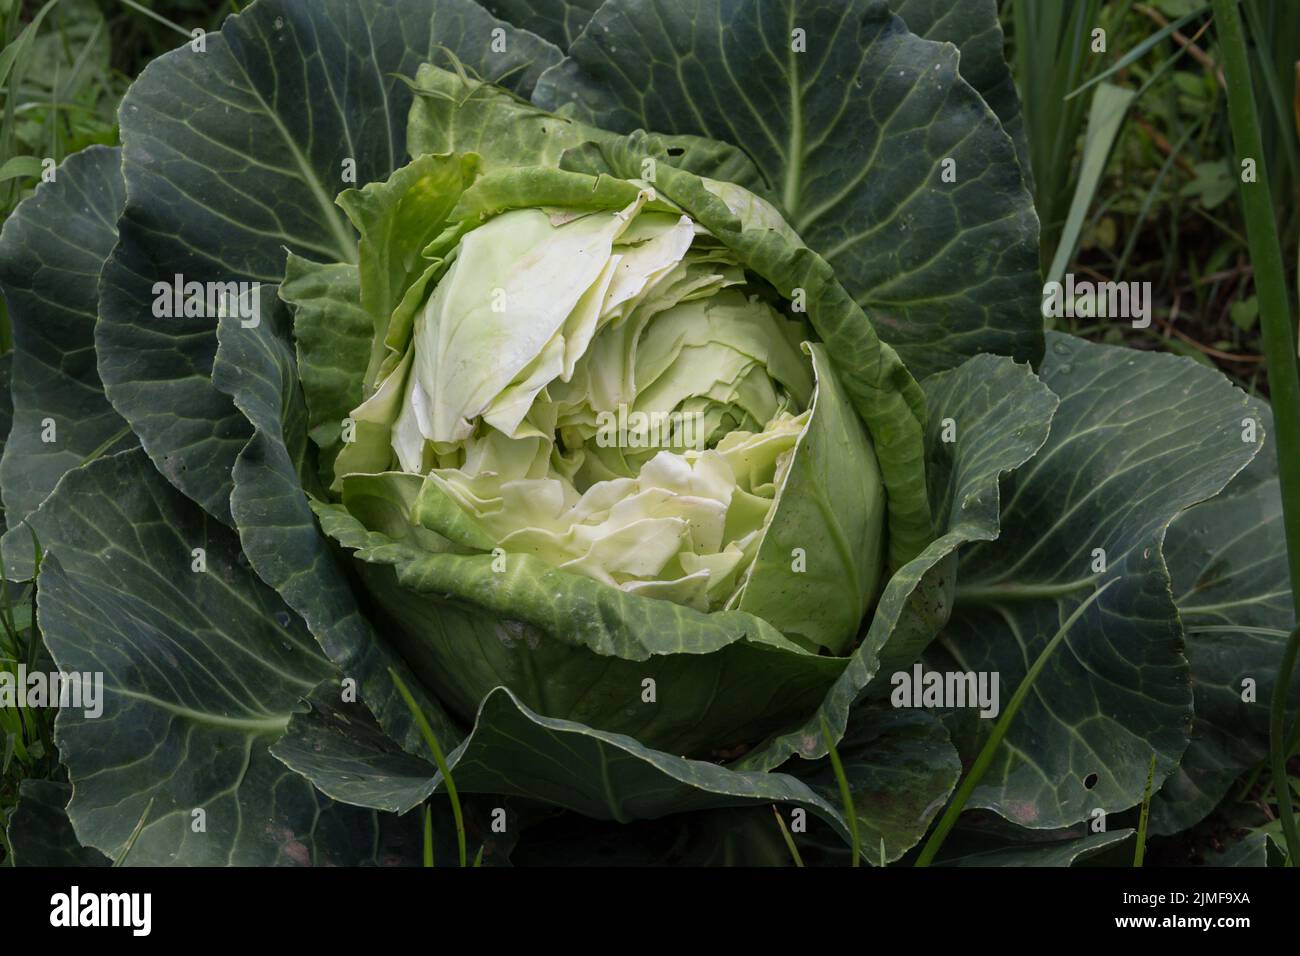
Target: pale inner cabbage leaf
{"points": [[601, 390]]}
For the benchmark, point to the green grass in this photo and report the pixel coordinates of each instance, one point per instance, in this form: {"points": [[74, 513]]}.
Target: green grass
{"points": [[846, 794], [1050, 57], [26, 734], [790, 845], [1277, 317], [1162, 209], [448, 782], [1277, 320], [1281, 746]]}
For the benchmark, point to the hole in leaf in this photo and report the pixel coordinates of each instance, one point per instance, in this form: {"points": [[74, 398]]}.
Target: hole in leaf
{"points": [[1090, 781], [676, 151]]}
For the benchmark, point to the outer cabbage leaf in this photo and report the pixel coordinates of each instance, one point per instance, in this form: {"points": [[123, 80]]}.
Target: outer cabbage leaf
{"points": [[278, 533], [1227, 562], [348, 757], [1121, 462], [1257, 848], [1054, 853], [1004, 414], [455, 114], [818, 567], [973, 27], [509, 735], [900, 767], [39, 830], [202, 670], [579, 648], [513, 751], [51, 252], [557, 20]]}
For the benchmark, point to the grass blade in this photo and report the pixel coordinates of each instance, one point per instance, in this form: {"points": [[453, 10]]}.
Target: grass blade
{"points": [[1275, 315], [20, 167], [432, 742], [785, 835], [850, 812], [1139, 51], [1236, 629], [1140, 852], [10, 54], [1278, 751], [1135, 232], [428, 835], [155, 15], [135, 835], [1109, 105]]}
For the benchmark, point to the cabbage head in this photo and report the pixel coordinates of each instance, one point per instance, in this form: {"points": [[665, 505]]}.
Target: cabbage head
{"points": [[604, 442]]}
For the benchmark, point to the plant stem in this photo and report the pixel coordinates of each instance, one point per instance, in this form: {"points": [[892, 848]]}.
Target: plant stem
{"points": [[1275, 314]]}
